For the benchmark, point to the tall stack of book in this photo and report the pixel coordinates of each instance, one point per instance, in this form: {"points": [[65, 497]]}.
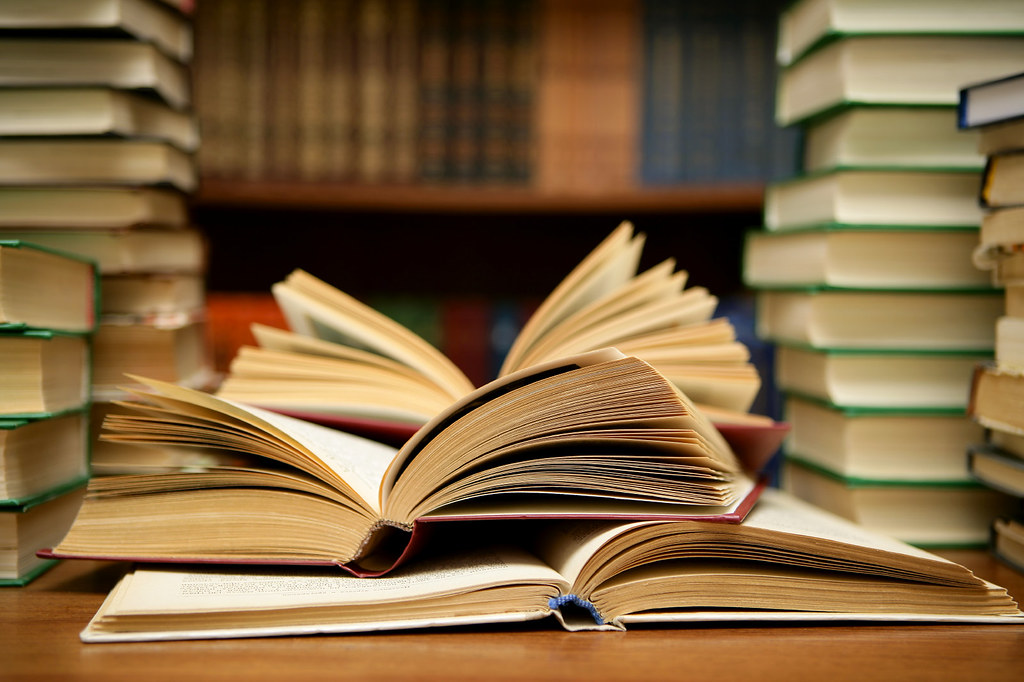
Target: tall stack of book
{"points": [[994, 109], [863, 270], [97, 148], [48, 313]]}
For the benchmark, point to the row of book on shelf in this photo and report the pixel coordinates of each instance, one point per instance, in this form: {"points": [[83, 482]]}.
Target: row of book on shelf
{"points": [[103, 271], [619, 430], [885, 306], [504, 91]]}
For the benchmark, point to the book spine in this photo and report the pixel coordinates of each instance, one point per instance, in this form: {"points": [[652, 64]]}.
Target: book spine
{"points": [[434, 75]]}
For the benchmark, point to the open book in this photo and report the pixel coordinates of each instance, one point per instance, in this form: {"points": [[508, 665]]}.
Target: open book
{"points": [[599, 434], [345, 364], [786, 562]]}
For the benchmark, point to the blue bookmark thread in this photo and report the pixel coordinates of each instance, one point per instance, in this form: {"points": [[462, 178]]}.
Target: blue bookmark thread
{"points": [[556, 603]]}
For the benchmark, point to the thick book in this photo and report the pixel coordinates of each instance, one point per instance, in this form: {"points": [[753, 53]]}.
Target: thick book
{"points": [[948, 514], [45, 289], [997, 468], [858, 257], [801, 565], [1002, 180], [880, 319], [67, 112], [124, 250], [1002, 137], [91, 207], [37, 455], [1008, 541], [918, 69], [32, 524], [122, 64], [96, 161], [598, 435], [44, 372], [878, 197], [343, 359], [996, 393], [167, 346], [910, 445], [808, 23], [151, 21], [991, 101], [878, 379], [910, 137]]}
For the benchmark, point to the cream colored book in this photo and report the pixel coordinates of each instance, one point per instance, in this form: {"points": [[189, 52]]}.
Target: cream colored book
{"points": [[787, 562], [597, 435], [343, 359]]}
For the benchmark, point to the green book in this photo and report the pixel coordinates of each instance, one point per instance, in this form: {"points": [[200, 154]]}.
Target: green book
{"points": [[43, 288], [894, 68], [938, 515], [856, 257]]}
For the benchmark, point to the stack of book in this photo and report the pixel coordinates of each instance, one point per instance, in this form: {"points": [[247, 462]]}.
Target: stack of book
{"points": [[584, 485], [98, 143], [994, 109], [864, 271], [48, 314]]}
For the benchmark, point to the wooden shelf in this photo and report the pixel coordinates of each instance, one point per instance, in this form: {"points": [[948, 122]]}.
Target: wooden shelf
{"points": [[712, 198]]}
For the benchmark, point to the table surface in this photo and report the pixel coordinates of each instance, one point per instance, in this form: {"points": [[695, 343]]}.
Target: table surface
{"points": [[39, 626]]}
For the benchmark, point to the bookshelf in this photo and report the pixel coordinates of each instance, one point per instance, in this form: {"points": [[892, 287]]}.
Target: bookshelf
{"points": [[562, 106]]}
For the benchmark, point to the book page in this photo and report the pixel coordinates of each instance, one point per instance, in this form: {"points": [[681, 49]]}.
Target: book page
{"points": [[197, 590], [357, 463], [607, 267]]}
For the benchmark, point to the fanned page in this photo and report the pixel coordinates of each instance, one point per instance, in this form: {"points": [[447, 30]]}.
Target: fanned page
{"points": [[808, 565], [350, 464], [603, 302], [786, 556], [607, 268], [602, 429], [316, 309]]}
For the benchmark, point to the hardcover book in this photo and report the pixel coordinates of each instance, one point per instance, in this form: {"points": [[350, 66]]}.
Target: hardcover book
{"points": [[601, 435], [804, 566]]}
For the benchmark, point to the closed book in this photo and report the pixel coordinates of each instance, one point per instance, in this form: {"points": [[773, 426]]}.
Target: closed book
{"points": [[66, 112], [33, 525], [123, 64], [40, 288], [997, 468], [880, 320], [890, 69], [923, 514], [131, 250], [878, 379], [38, 455], [908, 444], [852, 257], [44, 372], [806, 23], [910, 137], [1002, 184], [90, 207], [150, 21], [991, 101], [874, 197], [85, 161]]}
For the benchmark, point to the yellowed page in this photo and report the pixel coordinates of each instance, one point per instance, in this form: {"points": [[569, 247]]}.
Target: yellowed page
{"points": [[611, 265], [357, 463], [477, 586], [316, 309]]}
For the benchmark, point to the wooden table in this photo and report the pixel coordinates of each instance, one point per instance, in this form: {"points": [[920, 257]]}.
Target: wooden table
{"points": [[39, 627]]}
